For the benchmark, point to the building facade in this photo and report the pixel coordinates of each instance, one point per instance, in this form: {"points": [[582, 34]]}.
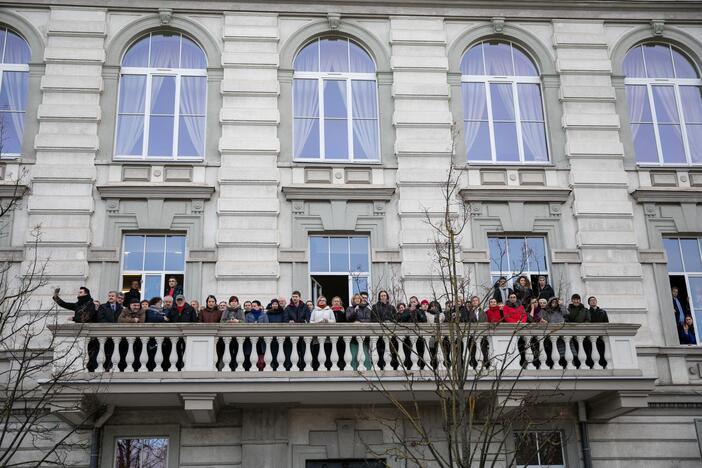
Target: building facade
{"points": [[259, 148]]}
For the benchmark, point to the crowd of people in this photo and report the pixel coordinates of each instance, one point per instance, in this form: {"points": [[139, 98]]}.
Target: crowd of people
{"points": [[520, 304]]}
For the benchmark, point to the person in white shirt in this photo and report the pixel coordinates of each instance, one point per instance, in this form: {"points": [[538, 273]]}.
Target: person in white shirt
{"points": [[322, 313]]}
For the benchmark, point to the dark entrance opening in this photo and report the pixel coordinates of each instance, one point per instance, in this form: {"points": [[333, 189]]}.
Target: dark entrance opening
{"points": [[345, 463], [330, 286]]}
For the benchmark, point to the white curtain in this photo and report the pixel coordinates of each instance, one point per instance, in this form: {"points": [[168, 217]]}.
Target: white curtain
{"points": [[533, 132], [498, 59], [474, 99], [334, 55], [633, 64], [365, 123], [637, 101], [191, 55], [360, 61], [668, 119], [306, 102], [15, 88], [659, 62], [691, 99], [308, 58], [193, 94], [131, 127], [472, 63], [165, 51]]}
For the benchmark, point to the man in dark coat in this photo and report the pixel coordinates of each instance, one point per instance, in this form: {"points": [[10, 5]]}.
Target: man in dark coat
{"points": [[110, 311], [83, 309], [383, 311], [296, 311], [502, 290], [182, 311], [133, 293], [597, 314], [173, 289], [680, 306]]}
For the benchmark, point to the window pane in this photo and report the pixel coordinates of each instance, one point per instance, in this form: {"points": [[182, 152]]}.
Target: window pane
{"points": [[13, 93], [691, 100], [523, 66], [163, 95], [696, 293], [365, 139], [530, 107], [672, 251], [152, 286], [671, 143], [472, 63], [498, 254], [133, 255], [527, 453], [130, 135], [127, 453], [506, 148], [191, 136], [155, 251], [306, 138], [193, 92], [175, 253], [16, 49], [644, 143], [638, 104], [537, 254], [339, 248], [477, 136], [691, 255], [683, 67], [474, 101], [191, 55], [365, 99], [360, 60], [132, 93], [518, 254], [161, 136], [336, 139], [334, 55], [335, 98], [665, 105], [308, 58], [659, 63], [534, 142], [12, 132], [359, 284], [141, 453], [633, 65], [306, 98], [550, 450], [165, 50], [502, 101], [498, 58], [138, 54], [319, 254], [359, 254], [694, 141]]}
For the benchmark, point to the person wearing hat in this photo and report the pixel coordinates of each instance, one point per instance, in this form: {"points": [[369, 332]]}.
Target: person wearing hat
{"points": [[182, 311], [134, 314]]}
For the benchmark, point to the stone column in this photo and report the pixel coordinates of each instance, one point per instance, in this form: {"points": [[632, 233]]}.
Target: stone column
{"points": [[247, 211]]}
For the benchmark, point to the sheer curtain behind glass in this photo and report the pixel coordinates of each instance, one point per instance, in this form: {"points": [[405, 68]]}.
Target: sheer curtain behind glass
{"points": [[13, 91]]}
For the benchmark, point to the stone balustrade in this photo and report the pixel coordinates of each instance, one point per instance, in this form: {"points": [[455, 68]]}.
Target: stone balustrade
{"points": [[350, 349]]}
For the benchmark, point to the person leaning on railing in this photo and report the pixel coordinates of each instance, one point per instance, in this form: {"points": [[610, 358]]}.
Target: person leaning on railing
{"points": [[135, 314], [182, 311], [83, 309]]}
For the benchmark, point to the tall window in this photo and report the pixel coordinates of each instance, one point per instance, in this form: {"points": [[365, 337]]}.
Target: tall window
{"points": [[663, 93], [151, 453], [685, 274], [503, 115], [512, 257], [335, 103], [14, 79], [339, 266], [162, 99], [539, 449], [152, 260]]}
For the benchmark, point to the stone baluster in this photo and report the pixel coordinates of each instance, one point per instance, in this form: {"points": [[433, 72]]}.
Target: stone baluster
{"points": [[308, 353], [158, 356], [608, 355], [554, 354], [426, 356], [361, 355], [528, 353], [386, 352], [347, 353], [173, 355], [334, 354], [294, 356], [440, 359], [227, 355], [101, 355], [267, 355], [279, 356], [568, 352], [144, 355], [413, 353], [595, 353], [401, 353], [374, 352], [129, 358], [542, 353], [581, 352], [478, 344], [240, 357]]}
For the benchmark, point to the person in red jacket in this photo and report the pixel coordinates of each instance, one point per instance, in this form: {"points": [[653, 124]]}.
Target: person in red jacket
{"points": [[513, 311], [494, 314]]}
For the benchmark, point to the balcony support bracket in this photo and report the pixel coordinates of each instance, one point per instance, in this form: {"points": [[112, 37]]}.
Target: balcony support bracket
{"points": [[201, 407]]}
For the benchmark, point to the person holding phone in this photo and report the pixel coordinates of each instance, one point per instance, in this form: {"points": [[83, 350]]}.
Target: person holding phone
{"points": [[83, 309]]}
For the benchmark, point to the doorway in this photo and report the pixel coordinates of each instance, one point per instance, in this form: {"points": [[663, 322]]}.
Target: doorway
{"points": [[330, 286]]}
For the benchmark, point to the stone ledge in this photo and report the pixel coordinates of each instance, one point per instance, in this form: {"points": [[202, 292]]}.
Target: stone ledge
{"points": [[667, 195], [12, 190], [329, 192], [502, 194], [166, 190]]}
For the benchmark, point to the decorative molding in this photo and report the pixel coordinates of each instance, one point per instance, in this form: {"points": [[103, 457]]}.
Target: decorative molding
{"points": [[657, 27], [163, 191], [165, 15], [12, 190], [667, 195], [347, 192], [334, 20], [490, 194], [498, 24], [565, 256]]}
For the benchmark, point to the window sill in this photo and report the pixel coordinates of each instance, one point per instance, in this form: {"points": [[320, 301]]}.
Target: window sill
{"points": [[164, 190], [324, 162]]}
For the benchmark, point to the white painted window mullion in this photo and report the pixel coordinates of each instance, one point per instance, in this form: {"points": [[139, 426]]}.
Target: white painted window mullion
{"points": [[654, 118], [176, 116], [349, 119], [518, 121], [322, 140], [491, 124], [147, 117], [681, 121]]}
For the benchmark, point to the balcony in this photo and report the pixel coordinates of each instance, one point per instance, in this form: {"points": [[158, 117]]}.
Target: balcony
{"points": [[202, 366]]}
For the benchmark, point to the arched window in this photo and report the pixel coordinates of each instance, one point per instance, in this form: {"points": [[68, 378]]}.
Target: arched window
{"points": [[162, 99], [663, 94], [503, 112], [14, 79], [335, 102]]}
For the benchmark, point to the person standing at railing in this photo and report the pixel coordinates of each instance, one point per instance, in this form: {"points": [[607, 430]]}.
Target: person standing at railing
{"points": [[687, 332], [296, 311], [83, 309], [135, 314], [337, 306], [513, 311], [234, 312], [358, 311], [473, 312], [110, 311], [597, 314], [383, 311], [173, 289], [134, 292], [182, 311], [210, 313], [155, 312], [494, 311], [257, 314], [274, 312]]}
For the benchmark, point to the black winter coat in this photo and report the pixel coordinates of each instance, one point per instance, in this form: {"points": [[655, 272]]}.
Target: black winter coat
{"points": [[384, 312], [299, 314], [105, 314], [83, 310], [188, 315]]}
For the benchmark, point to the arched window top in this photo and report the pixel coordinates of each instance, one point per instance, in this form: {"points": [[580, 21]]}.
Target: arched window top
{"points": [[333, 55], [654, 60], [165, 50], [15, 49], [497, 58]]}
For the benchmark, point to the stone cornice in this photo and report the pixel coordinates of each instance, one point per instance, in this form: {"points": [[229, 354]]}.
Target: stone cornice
{"points": [[12, 190], [667, 195], [516, 194], [331, 192], [164, 191]]}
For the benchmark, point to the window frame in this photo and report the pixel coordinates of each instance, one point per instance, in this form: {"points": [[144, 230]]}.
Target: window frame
{"points": [[511, 275], [150, 73], [514, 80], [348, 77], [537, 433], [351, 274], [675, 84], [143, 273], [14, 67], [141, 437]]}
